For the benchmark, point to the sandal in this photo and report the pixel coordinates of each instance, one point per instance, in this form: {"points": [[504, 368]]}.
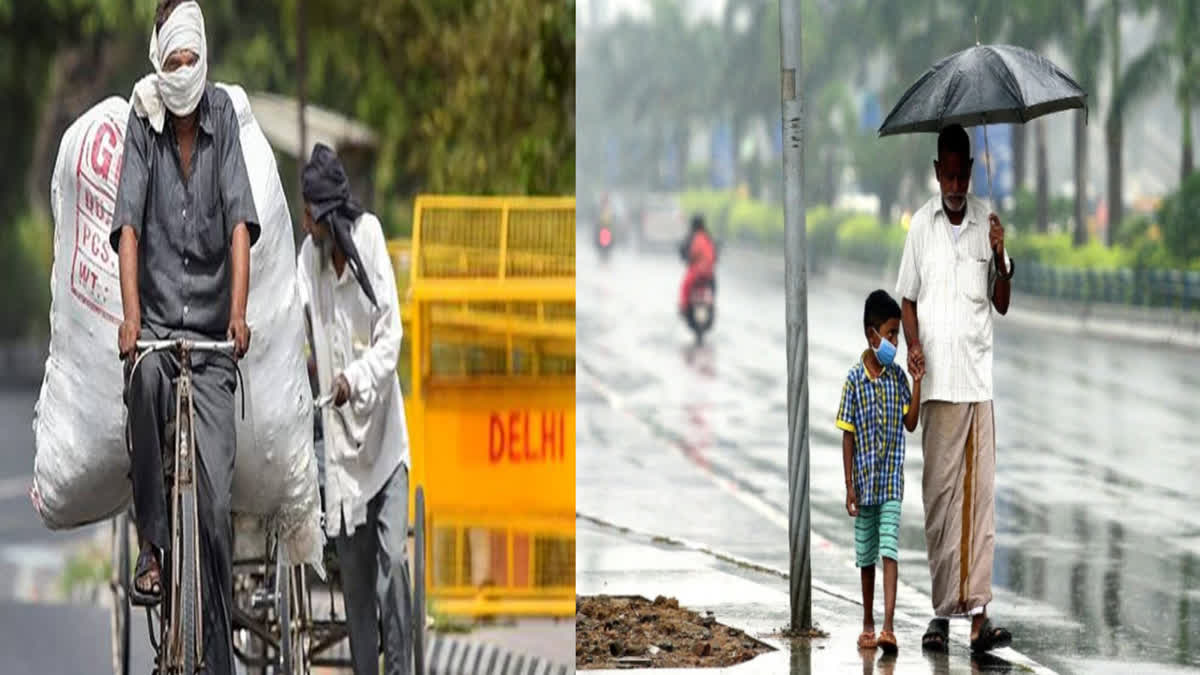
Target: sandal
{"points": [[990, 637], [887, 642], [147, 570], [937, 636], [866, 640]]}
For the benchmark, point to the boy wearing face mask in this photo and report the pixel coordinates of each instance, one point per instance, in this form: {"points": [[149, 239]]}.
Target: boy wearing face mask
{"points": [[876, 401]]}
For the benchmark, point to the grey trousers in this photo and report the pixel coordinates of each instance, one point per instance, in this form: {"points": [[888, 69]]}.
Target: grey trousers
{"points": [[150, 399], [375, 581]]}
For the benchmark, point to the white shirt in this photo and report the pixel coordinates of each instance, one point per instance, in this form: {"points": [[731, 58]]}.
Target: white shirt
{"points": [[952, 280], [367, 438]]}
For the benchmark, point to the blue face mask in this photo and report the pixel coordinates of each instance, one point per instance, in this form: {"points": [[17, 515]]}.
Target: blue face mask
{"points": [[886, 351]]}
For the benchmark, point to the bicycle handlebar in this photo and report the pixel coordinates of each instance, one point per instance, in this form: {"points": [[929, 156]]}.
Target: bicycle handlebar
{"points": [[224, 346]]}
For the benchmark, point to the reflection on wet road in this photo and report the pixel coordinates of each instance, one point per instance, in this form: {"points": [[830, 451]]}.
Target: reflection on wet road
{"points": [[1098, 546]]}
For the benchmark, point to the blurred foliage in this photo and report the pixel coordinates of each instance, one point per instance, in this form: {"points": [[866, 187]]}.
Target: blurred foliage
{"points": [[466, 96], [1058, 249], [864, 239], [1179, 215], [714, 205], [1142, 244], [25, 255], [1023, 214], [756, 219], [654, 79]]}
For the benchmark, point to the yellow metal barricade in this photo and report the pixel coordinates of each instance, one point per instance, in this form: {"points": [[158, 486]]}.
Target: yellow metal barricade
{"points": [[400, 251], [491, 400]]}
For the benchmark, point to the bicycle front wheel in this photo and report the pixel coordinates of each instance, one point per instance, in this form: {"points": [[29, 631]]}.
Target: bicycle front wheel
{"points": [[189, 581]]}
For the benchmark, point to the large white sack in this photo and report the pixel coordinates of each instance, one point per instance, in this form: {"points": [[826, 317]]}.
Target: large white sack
{"points": [[81, 464]]}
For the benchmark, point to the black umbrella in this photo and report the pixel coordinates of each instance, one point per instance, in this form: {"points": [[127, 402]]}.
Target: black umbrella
{"points": [[986, 84]]}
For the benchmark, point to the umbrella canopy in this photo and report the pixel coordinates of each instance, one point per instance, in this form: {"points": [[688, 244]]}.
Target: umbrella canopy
{"points": [[988, 84]]}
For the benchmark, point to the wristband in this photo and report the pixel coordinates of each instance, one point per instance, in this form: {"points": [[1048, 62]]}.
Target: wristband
{"points": [[1011, 268]]}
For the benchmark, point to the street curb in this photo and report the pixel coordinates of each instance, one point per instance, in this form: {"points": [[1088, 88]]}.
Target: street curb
{"points": [[446, 655], [650, 538], [676, 542]]}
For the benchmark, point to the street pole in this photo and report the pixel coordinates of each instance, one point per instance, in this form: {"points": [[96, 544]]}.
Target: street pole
{"points": [[795, 254]]}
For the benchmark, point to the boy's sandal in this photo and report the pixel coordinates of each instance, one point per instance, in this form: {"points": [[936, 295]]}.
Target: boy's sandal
{"points": [[887, 641], [866, 640], [144, 572], [990, 637], [937, 636]]}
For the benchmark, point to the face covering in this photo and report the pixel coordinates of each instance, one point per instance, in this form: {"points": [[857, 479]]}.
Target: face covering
{"points": [[886, 351], [326, 190], [325, 249], [179, 91]]}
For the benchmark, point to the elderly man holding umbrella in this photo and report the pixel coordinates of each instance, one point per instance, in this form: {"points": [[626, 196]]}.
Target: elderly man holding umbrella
{"points": [[954, 272]]}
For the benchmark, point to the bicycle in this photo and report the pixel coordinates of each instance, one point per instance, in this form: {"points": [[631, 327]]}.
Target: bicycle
{"points": [[179, 647]]}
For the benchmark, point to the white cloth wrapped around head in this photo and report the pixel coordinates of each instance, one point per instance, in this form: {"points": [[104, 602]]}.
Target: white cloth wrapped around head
{"points": [[180, 90]]}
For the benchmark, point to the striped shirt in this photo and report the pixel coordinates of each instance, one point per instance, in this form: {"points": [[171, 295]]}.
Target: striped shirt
{"points": [[952, 280], [873, 410]]}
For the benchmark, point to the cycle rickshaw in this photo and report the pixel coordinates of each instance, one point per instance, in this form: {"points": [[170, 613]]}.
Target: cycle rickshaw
{"points": [[285, 618]]}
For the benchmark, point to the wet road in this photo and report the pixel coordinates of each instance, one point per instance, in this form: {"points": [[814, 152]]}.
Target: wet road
{"points": [[1098, 551]]}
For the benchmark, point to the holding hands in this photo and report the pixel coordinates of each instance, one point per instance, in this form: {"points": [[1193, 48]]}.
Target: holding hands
{"points": [[916, 361]]}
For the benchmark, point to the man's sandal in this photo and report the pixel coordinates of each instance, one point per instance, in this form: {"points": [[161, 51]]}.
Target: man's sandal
{"points": [[990, 637], [937, 636], [887, 642], [867, 640], [145, 572]]}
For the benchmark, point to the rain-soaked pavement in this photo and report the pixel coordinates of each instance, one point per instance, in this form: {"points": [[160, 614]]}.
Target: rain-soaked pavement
{"points": [[1098, 551]]}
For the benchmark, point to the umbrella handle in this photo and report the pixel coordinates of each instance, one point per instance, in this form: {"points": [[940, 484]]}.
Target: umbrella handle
{"points": [[987, 154]]}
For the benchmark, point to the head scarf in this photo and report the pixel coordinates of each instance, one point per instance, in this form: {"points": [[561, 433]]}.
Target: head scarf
{"points": [[327, 193], [179, 91]]}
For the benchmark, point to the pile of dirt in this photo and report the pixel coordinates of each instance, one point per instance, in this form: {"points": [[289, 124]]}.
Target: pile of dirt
{"points": [[633, 632]]}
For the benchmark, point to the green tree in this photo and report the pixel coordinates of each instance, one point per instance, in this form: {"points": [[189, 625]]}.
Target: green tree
{"points": [[1184, 17], [470, 96], [750, 33], [1087, 43], [1129, 85], [1034, 25], [1178, 217]]}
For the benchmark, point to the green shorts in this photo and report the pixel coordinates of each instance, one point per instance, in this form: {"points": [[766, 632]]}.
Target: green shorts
{"points": [[877, 532]]}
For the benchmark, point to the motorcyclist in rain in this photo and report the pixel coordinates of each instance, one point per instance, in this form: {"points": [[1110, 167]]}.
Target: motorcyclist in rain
{"points": [[700, 253], [604, 225]]}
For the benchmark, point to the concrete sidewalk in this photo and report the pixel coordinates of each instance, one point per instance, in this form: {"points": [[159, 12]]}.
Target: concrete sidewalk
{"points": [[753, 598]]}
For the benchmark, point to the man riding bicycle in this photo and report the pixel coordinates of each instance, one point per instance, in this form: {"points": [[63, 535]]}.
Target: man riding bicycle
{"points": [[183, 226], [699, 251]]}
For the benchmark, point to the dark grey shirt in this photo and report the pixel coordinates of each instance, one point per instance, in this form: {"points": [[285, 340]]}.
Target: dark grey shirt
{"points": [[185, 228]]}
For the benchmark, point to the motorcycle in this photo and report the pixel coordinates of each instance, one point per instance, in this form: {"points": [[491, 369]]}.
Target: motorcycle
{"points": [[701, 307], [700, 312], [604, 238]]}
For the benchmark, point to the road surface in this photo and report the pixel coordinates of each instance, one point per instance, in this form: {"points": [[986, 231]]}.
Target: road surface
{"points": [[1097, 566]]}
